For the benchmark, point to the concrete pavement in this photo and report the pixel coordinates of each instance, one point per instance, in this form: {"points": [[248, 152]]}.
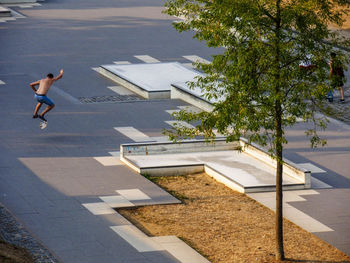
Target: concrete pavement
{"points": [[49, 176]]}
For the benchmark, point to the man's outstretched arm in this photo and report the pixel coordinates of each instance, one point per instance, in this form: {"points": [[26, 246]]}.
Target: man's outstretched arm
{"points": [[32, 85], [59, 76]]}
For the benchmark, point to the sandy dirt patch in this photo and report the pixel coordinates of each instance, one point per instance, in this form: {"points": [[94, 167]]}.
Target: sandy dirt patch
{"points": [[13, 254], [226, 226]]}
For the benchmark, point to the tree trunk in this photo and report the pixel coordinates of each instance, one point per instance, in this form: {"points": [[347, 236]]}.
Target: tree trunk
{"points": [[279, 192], [279, 141]]}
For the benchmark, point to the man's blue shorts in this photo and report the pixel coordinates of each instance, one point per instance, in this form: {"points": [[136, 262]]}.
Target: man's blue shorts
{"points": [[44, 99]]}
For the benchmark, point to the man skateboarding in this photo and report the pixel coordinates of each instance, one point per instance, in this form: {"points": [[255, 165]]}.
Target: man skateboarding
{"points": [[40, 94]]}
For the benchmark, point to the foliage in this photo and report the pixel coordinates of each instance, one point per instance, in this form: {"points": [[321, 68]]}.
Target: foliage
{"points": [[264, 42], [256, 85]]}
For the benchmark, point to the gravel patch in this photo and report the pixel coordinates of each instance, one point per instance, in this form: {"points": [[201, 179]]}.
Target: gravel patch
{"points": [[13, 232]]}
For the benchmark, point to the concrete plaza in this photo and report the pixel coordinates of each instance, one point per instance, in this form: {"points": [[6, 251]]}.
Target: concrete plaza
{"points": [[63, 182]]}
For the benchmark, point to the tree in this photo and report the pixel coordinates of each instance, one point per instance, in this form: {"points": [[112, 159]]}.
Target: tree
{"points": [[257, 84]]}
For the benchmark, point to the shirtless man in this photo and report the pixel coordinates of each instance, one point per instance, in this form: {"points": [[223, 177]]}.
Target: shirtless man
{"points": [[40, 94]]}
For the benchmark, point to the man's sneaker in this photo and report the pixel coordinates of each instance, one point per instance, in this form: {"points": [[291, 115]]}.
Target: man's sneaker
{"points": [[342, 101], [35, 116], [42, 118]]}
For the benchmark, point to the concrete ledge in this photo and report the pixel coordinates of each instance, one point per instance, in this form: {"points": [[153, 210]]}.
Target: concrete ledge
{"points": [[181, 147], [300, 174], [239, 177], [229, 182], [158, 94], [5, 12], [186, 95], [138, 90], [150, 80], [172, 170], [17, 1], [223, 179]]}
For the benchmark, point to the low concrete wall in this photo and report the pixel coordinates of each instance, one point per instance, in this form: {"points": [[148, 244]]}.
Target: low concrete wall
{"points": [[223, 179], [300, 174], [181, 147], [173, 170]]}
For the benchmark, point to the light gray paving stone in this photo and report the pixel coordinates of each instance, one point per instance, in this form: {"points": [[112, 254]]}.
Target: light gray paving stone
{"points": [[136, 238], [180, 249], [116, 201], [147, 59], [115, 219], [133, 194], [121, 62], [99, 208], [108, 160]]}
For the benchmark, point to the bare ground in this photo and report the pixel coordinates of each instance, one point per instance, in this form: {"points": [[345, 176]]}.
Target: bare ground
{"points": [[226, 226], [13, 254]]}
